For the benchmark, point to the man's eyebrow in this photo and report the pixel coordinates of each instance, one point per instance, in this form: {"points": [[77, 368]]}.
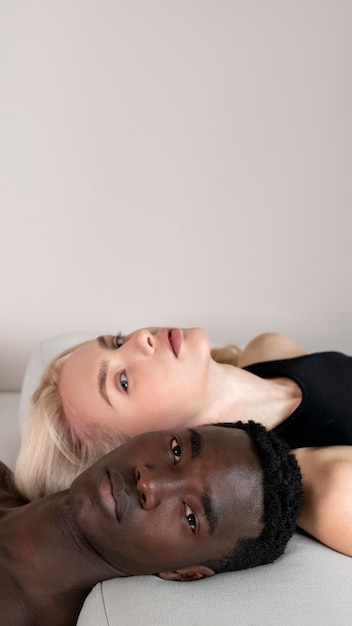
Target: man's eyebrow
{"points": [[196, 441], [209, 512], [103, 370]]}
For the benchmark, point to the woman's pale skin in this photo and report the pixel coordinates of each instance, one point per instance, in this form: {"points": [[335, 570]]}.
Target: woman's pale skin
{"points": [[159, 378], [165, 378]]}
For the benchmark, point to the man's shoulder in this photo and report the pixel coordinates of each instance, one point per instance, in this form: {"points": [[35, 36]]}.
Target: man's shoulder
{"points": [[9, 495], [6, 476]]}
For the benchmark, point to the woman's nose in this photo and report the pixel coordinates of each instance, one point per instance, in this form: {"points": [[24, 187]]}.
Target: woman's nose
{"points": [[150, 487], [145, 341]]}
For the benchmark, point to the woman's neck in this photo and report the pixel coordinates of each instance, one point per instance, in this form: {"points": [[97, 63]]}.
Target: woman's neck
{"points": [[235, 394]]}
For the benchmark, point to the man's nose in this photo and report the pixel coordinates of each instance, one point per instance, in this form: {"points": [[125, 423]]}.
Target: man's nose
{"points": [[145, 341], [151, 487]]}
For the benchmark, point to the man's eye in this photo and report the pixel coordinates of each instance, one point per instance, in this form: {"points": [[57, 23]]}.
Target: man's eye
{"points": [[176, 448], [118, 340], [124, 381], [191, 518]]}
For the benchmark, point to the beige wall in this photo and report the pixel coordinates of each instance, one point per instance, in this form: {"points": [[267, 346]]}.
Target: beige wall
{"points": [[177, 162]]}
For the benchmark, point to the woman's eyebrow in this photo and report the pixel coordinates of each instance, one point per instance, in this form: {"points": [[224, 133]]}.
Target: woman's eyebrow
{"points": [[103, 370], [102, 342]]}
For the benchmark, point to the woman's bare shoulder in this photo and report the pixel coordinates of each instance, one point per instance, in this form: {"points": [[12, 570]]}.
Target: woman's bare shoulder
{"points": [[269, 347], [327, 484]]}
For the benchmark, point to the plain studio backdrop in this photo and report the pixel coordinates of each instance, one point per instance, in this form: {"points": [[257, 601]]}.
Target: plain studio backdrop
{"points": [[175, 162]]}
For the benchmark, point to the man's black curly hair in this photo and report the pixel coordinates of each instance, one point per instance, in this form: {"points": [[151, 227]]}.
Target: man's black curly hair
{"points": [[283, 498]]}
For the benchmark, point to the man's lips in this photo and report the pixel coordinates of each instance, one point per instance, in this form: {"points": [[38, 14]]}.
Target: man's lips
{"points": [[113, 497]]}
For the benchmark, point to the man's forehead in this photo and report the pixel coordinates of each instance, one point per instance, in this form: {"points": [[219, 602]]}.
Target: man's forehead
{"points": [[223, 433]]}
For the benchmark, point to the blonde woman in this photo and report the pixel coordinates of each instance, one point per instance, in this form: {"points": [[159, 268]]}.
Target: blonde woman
{"points": [[107, 390], [54, 451]]}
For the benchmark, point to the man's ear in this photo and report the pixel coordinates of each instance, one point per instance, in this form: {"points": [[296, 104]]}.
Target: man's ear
{"points": [[196, 572]]}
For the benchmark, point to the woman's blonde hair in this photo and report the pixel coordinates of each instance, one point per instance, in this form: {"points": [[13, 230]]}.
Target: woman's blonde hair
{"points": [[51, 454]]}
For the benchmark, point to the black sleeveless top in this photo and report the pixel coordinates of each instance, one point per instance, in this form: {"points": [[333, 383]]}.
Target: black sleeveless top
{"points": [[324, 416]]}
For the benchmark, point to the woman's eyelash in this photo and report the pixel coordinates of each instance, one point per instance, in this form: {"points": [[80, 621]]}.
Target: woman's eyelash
{"points": [[118, 340], [124, 381]]}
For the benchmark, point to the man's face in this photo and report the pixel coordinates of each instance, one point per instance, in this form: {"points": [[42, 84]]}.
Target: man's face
{"points": [[171, 499]]}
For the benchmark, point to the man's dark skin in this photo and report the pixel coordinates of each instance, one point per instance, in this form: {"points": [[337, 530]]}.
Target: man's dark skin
{"points": [[164, 502]]}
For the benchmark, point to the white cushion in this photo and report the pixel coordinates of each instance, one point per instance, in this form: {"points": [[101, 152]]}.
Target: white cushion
{"points": [[307, 586], [40, 358]]}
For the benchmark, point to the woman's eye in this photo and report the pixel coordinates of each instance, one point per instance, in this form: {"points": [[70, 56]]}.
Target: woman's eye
{"points": [[124, 381], [176, 448], [118, 340], [191, 518]]}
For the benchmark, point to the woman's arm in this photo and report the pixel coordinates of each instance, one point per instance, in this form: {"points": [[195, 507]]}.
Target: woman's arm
{"points": [[268, 347], [327, 484]]}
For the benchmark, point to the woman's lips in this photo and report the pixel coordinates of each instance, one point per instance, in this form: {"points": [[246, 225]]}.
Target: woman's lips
{"points": [[175, 337], [172, 339]]}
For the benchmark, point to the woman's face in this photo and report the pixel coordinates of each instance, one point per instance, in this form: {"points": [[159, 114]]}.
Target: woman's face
{"points": [[155, 379]]}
